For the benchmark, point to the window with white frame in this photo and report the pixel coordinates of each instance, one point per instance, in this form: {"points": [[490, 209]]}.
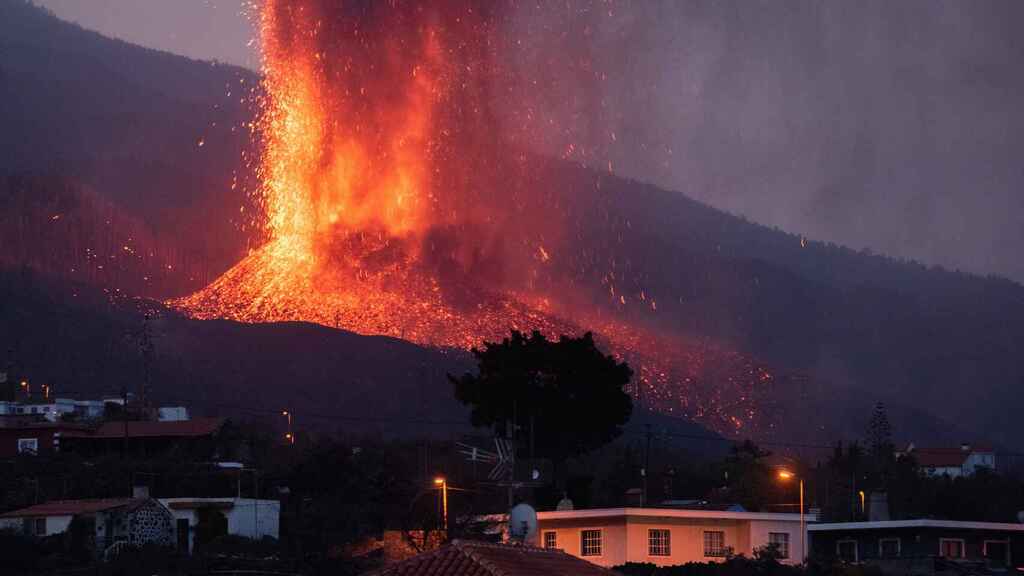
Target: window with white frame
{"points": [[659, 542], [846, 550], [550, 539], [889, 548], [951, 547], [714, 544], [28, 445], [780, 541], [590, 543]]}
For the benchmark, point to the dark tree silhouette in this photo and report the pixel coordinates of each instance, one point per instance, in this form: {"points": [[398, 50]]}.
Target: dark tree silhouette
{"points": [[569, 392], [879, 438]]}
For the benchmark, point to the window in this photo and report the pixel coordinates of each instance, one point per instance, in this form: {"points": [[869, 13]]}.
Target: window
{"points": [[551, 539], [780, 541], [714, 544], [951, 548], [889, 548], [34, 526], [590, 543], [659, 542], [28, 445], [846, 550], [997, 552]]}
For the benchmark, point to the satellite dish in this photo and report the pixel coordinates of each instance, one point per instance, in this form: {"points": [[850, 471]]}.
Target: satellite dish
{"points": [[522, 524]]}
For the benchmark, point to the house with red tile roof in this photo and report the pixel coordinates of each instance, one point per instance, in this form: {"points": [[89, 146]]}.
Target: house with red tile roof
{"points": [[953, 462], [196, 437], [467, 558], [107, 522]]}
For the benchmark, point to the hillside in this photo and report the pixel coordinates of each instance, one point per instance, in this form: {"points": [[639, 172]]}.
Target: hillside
{"points": [[841, 329], [128, 121]]}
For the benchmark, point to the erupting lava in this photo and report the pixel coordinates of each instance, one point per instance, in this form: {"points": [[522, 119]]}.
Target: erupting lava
{"points": [[388, 198]]}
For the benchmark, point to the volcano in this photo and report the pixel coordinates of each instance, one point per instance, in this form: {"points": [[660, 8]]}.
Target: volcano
{"points": [[723, 318]]}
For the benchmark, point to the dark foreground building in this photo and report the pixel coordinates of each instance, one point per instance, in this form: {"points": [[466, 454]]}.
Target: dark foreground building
{"points": [[464, 558], [909, 547]]}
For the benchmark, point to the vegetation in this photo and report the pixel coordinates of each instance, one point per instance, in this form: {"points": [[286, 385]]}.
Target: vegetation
{"points": [[567, 396]]}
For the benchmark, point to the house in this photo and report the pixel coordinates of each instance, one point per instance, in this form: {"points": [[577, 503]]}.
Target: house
{"points": [[464, 558], [104, 524], [668, 536], [213, 517], [20, 435], [197, 437], [920, 546], [952, 462]]}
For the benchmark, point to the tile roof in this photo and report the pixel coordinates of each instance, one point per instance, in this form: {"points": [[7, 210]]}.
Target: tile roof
{"points": [[145, 429], [464, 558], [72, 507]]}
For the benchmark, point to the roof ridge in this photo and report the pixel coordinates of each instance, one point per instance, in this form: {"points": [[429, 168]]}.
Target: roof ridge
{"points": [[465, 546]]}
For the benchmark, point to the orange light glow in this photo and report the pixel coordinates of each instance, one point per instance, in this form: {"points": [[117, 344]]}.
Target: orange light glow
{"points": [[374, 173]]}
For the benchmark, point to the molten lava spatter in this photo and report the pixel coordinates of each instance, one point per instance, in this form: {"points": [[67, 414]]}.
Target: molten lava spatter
{"points": [[388, 200]]}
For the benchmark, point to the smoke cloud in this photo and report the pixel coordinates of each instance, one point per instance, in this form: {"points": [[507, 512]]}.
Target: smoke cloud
{"points": [[893, 127]]}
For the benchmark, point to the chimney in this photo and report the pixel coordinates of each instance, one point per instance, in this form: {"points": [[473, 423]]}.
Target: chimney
{"points": [[634, 497], [878, 507], [140, 491]]}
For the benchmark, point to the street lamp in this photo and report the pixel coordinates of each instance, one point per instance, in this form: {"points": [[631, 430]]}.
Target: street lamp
{"points": [[288, 435], [442, 483], [785, 476]]}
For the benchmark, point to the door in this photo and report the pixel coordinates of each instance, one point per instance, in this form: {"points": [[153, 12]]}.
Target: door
{"points": [[183, 534]]}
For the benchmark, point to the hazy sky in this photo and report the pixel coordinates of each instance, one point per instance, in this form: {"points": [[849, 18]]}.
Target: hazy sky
{"points": [[894, 126], [201, 29]]}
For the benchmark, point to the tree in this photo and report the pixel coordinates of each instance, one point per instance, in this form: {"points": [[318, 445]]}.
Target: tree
{"points": [[879, 437], [880, 449], [567, 396]]}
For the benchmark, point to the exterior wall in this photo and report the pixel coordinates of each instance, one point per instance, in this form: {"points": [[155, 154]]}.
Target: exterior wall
{"points": [[246, 517], [613, 538], [760, 529], [915, 543], [625, 538], [54, 524], [44, 436], [979, 460]]}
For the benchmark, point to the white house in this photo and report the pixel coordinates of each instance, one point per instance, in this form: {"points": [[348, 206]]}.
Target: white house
{"points": [[666, 536], [248, 517], [109, 522], [952, 462]]}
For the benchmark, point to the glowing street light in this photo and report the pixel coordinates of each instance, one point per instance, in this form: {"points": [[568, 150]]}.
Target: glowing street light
{"points": [[442, 483], [288, 435], [785, 476]]}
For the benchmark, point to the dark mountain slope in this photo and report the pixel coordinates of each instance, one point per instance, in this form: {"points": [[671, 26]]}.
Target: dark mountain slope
{"points": [[128, 122]]}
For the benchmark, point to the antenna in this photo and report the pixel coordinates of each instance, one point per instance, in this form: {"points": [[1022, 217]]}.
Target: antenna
{"points": [[522, 524]]}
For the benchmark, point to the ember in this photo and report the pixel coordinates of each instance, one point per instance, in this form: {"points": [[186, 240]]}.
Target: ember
{"points": [[387, 200]]}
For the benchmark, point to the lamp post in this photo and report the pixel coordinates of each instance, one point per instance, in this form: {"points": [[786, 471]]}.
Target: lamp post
{"points": [[786, 475], [288, 435], [442, 483]]}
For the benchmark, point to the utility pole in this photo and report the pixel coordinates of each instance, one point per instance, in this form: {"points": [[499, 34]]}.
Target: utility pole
{"points": [[647, 464]]}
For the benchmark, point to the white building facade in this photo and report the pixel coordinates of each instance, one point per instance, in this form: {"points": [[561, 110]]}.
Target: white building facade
{"points": [[668, 537]]}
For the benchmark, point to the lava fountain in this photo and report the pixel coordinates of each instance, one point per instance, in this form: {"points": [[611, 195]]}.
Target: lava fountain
{"points": [[390, 198]]}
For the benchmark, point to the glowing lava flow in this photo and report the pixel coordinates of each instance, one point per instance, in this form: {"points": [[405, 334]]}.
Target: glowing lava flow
{"points": [[377, 161], [353, 139]]}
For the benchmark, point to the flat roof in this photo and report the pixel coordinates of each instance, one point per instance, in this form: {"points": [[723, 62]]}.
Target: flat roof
{"points": [[670, 513], [922, 523]]}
